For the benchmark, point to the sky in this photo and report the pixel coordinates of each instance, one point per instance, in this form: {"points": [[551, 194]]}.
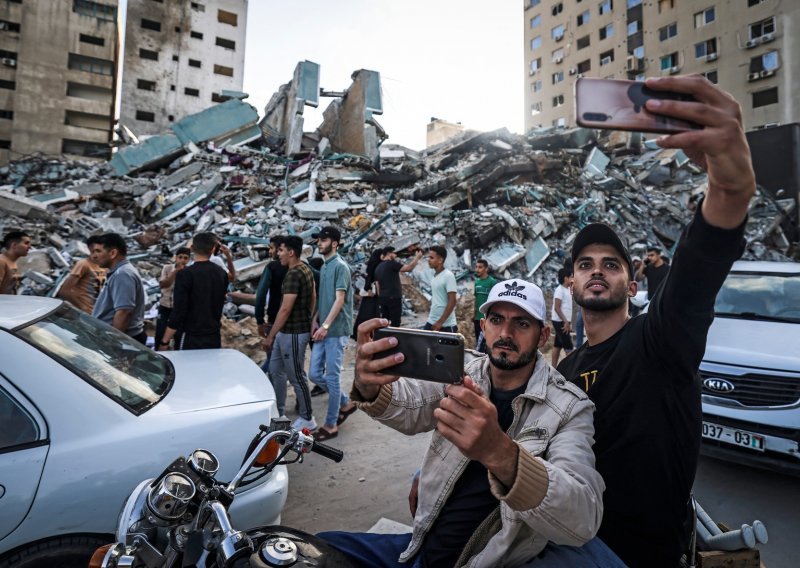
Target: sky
{"points": [[460, 61]]}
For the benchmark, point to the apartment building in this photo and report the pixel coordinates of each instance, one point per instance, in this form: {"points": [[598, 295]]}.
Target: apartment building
{"points": [[745, 46], [58, 64], [179, 57]]}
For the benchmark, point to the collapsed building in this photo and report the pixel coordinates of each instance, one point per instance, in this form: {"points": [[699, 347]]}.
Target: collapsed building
{"points": [[515, 200]]}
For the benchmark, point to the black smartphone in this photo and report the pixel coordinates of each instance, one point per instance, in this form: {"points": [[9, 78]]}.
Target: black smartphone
{"points": [[429, 355], [614, 104]]}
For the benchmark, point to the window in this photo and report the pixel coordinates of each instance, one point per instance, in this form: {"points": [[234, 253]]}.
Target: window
{"points": [[217, 98], [558, 55], [7, 26], [669, 61], [172, 87], [606, 6], [606, 31], [711, 76], [534, 3], [195, 63], [7, 114], [536, 21], [557, 32], [583, 17], [89, 150], [558, 100], [536, 64], [8, 58], [171, 117], [607, 57], [760, 29], [751, 3], [557, 9], [583, 42], [536, 108], [92, 40], [177, 29], [145, 116], [227, 18], [558, 76], [89, 92], [191, 92], [145, 85], [765, 97], [766, 62], [87, 120], [196, 35], [5, 144], [668, 31], [584, 66], [17, 427], [536, 42], [633, 3], [10, 85], [198, 6], [95, 10], [638, 52], [226, 43], [536, 86], [151, 25], [633, 27], [704, 18], [90, 64], [705, 48], [175, 58], [664, 5], [148, 54], [222, 70]]}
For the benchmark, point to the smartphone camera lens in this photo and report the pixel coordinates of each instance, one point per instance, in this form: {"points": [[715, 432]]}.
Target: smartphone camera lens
{"points": [[595, 116], [439, 358]]}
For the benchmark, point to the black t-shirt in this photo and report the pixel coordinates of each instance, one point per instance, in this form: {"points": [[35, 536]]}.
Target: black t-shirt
{"points": [[644, 383], [471, 500], [198, 298], [387, 275], [655, 276], [277, 272]]}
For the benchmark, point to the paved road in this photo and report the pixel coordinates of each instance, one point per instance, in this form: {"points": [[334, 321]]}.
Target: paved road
{"points": [[373, 479]]}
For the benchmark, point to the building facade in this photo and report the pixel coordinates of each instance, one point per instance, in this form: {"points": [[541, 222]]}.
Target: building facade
{"points": [[179, 57], [751, 48], [58, 68], [439, 130]]}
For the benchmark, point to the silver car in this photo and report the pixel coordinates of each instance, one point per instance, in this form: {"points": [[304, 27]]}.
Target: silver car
{"points": [[86, 413], [751, 368]]}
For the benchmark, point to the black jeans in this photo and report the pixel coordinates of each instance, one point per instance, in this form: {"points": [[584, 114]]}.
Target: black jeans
{"points": [[208, 341], [391, 309], [161, 323]]}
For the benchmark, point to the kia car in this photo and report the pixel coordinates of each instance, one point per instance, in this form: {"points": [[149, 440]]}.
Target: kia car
{"points": [[751, 368], [87, 413]]}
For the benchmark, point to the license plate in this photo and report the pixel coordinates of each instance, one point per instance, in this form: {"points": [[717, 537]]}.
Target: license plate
{"points": [[733, 436]]}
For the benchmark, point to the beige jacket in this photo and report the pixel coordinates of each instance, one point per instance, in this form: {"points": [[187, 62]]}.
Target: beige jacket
{"points": [[557, 494]]}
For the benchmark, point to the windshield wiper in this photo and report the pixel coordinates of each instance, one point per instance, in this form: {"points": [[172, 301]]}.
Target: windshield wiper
{"points": [[755, 316]]}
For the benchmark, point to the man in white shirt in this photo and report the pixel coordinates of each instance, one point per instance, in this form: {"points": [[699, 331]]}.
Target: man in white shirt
{"points": [[561, 315], [442, 316]]}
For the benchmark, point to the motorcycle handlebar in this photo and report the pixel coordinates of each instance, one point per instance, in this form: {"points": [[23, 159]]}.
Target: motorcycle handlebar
{"points": [[327, 451]]}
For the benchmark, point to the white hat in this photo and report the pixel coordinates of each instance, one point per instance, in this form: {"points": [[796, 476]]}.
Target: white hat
{"points": [[527, 296]]}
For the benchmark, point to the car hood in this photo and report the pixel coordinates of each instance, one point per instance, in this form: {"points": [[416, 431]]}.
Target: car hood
{"points": [[748, 343], [213, 378]]}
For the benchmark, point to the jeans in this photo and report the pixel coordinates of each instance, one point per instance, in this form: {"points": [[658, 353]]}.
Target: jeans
{"points": [[373, 550], [325, 370], [593, 554], [579, 328], [287, 360], [161, 323]]}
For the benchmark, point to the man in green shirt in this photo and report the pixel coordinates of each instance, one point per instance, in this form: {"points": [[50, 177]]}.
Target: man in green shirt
{"points": [[483, 284]]}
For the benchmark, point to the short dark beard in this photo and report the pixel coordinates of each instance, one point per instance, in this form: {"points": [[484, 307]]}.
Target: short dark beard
{"points": [[614, 302], [503, 363]]}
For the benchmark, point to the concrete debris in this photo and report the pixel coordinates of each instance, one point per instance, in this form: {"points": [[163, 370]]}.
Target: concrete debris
{"points": [[516, 201]]}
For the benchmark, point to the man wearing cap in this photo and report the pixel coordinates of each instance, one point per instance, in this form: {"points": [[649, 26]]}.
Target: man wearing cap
{"points": [[331, 326], [641, 373], [509, 467]]}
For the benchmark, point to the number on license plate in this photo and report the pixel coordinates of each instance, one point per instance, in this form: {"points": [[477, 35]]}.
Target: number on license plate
{"points": [[733, 436]]}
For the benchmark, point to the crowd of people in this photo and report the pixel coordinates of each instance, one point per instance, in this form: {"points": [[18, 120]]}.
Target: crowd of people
{"points": [[587, 460]]}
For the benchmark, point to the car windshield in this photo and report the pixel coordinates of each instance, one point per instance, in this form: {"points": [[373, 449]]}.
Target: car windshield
{"points": [[772, 297], [128, 372]]}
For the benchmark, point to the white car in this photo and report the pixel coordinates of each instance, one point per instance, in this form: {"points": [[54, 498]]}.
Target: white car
{"points": [[86, 413]]}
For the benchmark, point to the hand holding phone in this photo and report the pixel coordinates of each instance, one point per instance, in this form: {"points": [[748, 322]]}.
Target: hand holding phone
{"points": [[612, 104], [427, 355]]}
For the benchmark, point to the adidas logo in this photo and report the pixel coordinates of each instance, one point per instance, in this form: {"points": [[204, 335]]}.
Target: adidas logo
{"points": [[514, 289]]}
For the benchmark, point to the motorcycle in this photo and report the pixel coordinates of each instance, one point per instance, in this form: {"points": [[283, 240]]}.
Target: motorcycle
{"points": [[181, 518]]}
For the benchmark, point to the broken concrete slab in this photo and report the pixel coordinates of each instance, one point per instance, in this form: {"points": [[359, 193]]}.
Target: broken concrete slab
{"points": [[23, 206], [320, 209]]}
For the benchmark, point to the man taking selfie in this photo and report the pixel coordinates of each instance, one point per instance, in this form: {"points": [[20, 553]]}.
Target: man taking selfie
{"points": [[510, 465]]}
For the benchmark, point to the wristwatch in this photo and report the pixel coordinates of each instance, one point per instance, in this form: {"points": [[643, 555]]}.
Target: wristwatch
{"points": [[326, 326]]}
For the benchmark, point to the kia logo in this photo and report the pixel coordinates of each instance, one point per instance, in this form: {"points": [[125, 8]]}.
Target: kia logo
{"points": [[718, 385]]}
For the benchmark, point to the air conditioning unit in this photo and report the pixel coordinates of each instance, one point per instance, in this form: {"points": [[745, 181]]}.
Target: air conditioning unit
{"points": [[8, 62], [580, 75], [558, 60], [559, 37], [674, 70], [630, 63], [711, 57], [751, 43], [766, 38], [767, 73], [572, 71], [605, 61], [753, 76]]}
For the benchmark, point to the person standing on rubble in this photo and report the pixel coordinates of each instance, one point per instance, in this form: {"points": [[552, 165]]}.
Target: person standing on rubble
{"points": [[331, 327], [167, 285], [197, 300], [641, 372], [16, 244], [390, 292], [288, 338], [442, 316], [483, 285], [561, 316], [654, 269], [84, 282], [121, 301]]}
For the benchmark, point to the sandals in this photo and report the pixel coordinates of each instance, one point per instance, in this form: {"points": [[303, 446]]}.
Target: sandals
{"points": [[322, 434], [345, 414]]}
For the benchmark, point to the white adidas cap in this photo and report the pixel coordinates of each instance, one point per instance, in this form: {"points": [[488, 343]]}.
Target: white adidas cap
{"points": [[527, 296]]}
